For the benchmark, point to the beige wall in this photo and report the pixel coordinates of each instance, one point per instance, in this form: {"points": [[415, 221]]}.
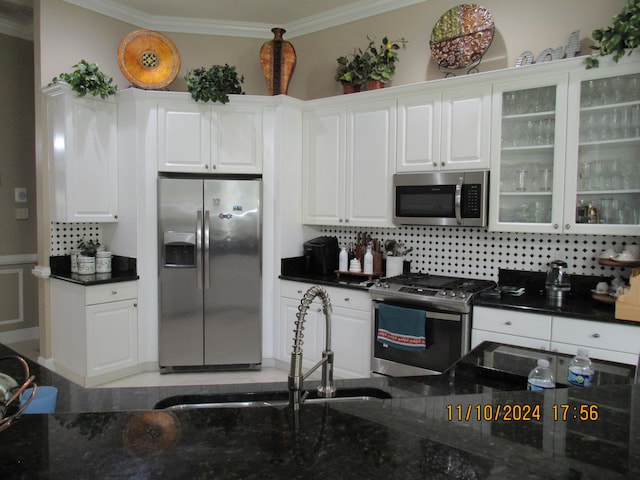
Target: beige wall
{"points": [[18, 288], [71, 33]]}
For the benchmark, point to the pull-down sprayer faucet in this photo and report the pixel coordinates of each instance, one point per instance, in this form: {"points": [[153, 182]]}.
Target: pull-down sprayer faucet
{"points": [[326, 389]]}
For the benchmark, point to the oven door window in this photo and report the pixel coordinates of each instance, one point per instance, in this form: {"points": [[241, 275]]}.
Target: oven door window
{"points": [[444, 340], [425, 201]]}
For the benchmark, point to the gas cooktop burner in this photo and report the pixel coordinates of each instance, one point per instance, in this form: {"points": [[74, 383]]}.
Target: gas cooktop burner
{"points": [[436, 290]]}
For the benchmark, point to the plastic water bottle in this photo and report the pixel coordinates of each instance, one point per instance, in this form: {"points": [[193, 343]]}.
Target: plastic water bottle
{"points": [[343, 260], [541, 378], [368, 261], [581, 370]]}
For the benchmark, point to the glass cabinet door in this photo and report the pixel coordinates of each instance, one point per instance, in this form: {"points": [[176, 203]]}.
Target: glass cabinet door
{"points": [[606, 162], [527, 155]]}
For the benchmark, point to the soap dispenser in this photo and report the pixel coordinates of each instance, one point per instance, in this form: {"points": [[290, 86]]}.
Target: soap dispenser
{"points": [[368, 261], [343, 260]]}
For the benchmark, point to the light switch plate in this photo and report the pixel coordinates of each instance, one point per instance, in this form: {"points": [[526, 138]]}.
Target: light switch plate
{"points": [[22, 213], [20, 194]]}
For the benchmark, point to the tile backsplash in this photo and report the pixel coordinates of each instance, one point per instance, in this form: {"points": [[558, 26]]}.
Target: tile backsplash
{"points": [[478, 253], [65, 236]]}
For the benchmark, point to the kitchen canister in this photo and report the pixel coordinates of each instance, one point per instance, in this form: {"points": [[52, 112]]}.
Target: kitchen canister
{"points": [[103, 262], [86, 265], [394, 266], [73, 255]]}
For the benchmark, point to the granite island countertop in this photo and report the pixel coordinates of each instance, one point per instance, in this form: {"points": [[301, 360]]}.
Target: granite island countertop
{"points": [[422, 432]]}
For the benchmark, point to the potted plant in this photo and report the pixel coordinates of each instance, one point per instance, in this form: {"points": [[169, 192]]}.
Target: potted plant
{"points": [[214, 84], [382, 61], [620, 38], [87, 78], [87, 257], [352, 71]]}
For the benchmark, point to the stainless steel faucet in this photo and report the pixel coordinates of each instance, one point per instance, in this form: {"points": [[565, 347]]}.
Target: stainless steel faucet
{"points": [[326, 389]]}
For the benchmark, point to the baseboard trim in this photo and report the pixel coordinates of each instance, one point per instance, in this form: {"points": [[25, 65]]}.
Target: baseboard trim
{"points": [[21, 335]]}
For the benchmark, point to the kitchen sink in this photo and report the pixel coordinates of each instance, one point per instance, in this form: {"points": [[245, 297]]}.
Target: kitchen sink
{"points": [[265, 399]]}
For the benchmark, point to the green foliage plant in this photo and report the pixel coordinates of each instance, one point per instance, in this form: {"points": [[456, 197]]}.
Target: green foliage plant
{"points": [[382, 58], [88, 248], [87, 78], [214, 84], [352, 68], [621, 38]]}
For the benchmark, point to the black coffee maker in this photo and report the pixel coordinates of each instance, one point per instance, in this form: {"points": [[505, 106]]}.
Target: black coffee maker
{"points": [[321, 255]]}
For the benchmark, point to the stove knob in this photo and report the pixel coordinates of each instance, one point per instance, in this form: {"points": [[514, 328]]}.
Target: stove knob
{"points": [[452, 294], [386, 285], [462, 295], [442, 293]]}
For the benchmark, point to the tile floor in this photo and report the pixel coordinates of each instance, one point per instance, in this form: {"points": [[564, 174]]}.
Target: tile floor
{"points": [[30, 349]]}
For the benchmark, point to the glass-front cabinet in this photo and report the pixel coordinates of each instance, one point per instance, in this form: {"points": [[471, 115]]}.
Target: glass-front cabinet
{"points": [[603, 151], [565, 152], [528, 154]]}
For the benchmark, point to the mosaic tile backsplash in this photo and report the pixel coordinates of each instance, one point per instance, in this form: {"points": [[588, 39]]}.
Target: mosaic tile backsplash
{"points": [[463, 252], [478, 253]]}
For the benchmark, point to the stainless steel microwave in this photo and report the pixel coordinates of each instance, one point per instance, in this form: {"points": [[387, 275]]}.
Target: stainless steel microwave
{"points": [[441, 198]]}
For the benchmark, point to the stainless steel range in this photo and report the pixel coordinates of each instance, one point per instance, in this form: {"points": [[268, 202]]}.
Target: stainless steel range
{"points": [[445, 305]]}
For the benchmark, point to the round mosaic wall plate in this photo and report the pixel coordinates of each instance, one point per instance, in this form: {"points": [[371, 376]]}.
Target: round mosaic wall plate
{"points": [[148, 59], [461, 36]]}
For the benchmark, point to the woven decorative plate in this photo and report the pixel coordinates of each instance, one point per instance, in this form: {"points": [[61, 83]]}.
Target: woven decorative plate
{"points": [[148, 59], [461, 36]]}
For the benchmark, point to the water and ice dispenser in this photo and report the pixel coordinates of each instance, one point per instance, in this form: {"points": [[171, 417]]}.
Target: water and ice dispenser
{"points": [[179, 249]]}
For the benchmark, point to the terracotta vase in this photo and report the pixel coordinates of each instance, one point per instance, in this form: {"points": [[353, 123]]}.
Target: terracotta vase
{"points": [[278, 59], [350, 88], [374, 84]]}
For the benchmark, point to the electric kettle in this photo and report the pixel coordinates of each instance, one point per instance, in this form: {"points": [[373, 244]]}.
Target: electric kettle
{"points": [[558, 284]]}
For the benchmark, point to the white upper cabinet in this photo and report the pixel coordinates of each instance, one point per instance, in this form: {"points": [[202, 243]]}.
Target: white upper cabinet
{"points": [[564, 152], [528, 154], [446, 129], [83, 156], [203, 138], [348, 158], [603, 148]]}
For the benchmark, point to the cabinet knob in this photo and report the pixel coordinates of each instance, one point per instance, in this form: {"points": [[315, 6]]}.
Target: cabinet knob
{"points": [[435, 164], [346, 299], [555, 226], [114, 292], [442, 164], [206, 167], [508, 322], [339, 220], [346, 220], [299, 291], [596, 335], [319, 309], [214, 167], [135, 305], [567, 226], [115, 217]]}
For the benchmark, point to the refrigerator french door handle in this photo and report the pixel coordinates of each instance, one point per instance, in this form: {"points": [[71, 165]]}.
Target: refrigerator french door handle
{"points": [[207, 262], [199, 249]]}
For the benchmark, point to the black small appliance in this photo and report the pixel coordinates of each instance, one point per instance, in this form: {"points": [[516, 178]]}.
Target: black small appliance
{"points": [[321, 255]]}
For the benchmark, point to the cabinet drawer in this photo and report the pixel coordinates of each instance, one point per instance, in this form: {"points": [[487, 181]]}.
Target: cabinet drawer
{"points": [[607, 336], [340, 297], [510, 322], [110, 292]]}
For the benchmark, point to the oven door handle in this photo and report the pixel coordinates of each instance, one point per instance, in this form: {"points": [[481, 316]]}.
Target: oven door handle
{"points": [[444, 316], [458, 200]]}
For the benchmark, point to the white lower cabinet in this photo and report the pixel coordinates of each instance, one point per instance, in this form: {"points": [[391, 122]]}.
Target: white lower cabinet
{"points": [[615, 342], [510, 327], [94, 331], [350, 329]]}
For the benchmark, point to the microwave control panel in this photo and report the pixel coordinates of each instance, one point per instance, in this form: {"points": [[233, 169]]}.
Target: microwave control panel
{"points": [[471, 201]]}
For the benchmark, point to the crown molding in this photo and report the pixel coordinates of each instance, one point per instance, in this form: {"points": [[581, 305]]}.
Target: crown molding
{"points": [[15, 29], [331, 18]]}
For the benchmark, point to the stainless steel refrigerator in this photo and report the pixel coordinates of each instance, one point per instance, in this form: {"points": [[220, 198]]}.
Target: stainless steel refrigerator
{"points": [[209, 273]]}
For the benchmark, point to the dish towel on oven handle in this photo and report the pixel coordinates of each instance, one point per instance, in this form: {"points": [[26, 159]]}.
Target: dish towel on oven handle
{"points": [[401, 327]]}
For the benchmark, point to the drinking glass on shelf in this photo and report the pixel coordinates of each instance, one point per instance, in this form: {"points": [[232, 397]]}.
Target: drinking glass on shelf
{"points": [[546, 179], [522, 177]]}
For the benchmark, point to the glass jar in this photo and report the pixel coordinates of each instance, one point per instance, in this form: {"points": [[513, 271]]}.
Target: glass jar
{"points": [[86, 265], [103, 262]]}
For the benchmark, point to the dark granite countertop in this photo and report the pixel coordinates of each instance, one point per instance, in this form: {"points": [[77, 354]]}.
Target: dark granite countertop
{"points": [[123, 269], [293, 269], [579, 303], [421, 432]]}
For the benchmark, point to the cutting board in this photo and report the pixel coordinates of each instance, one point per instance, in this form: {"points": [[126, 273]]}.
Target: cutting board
{"points": [[628, 304]]}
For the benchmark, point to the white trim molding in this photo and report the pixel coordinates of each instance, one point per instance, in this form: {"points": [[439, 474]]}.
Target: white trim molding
{"points": [[21, 335], [18, 259], [20, 279], [331, 18]]}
